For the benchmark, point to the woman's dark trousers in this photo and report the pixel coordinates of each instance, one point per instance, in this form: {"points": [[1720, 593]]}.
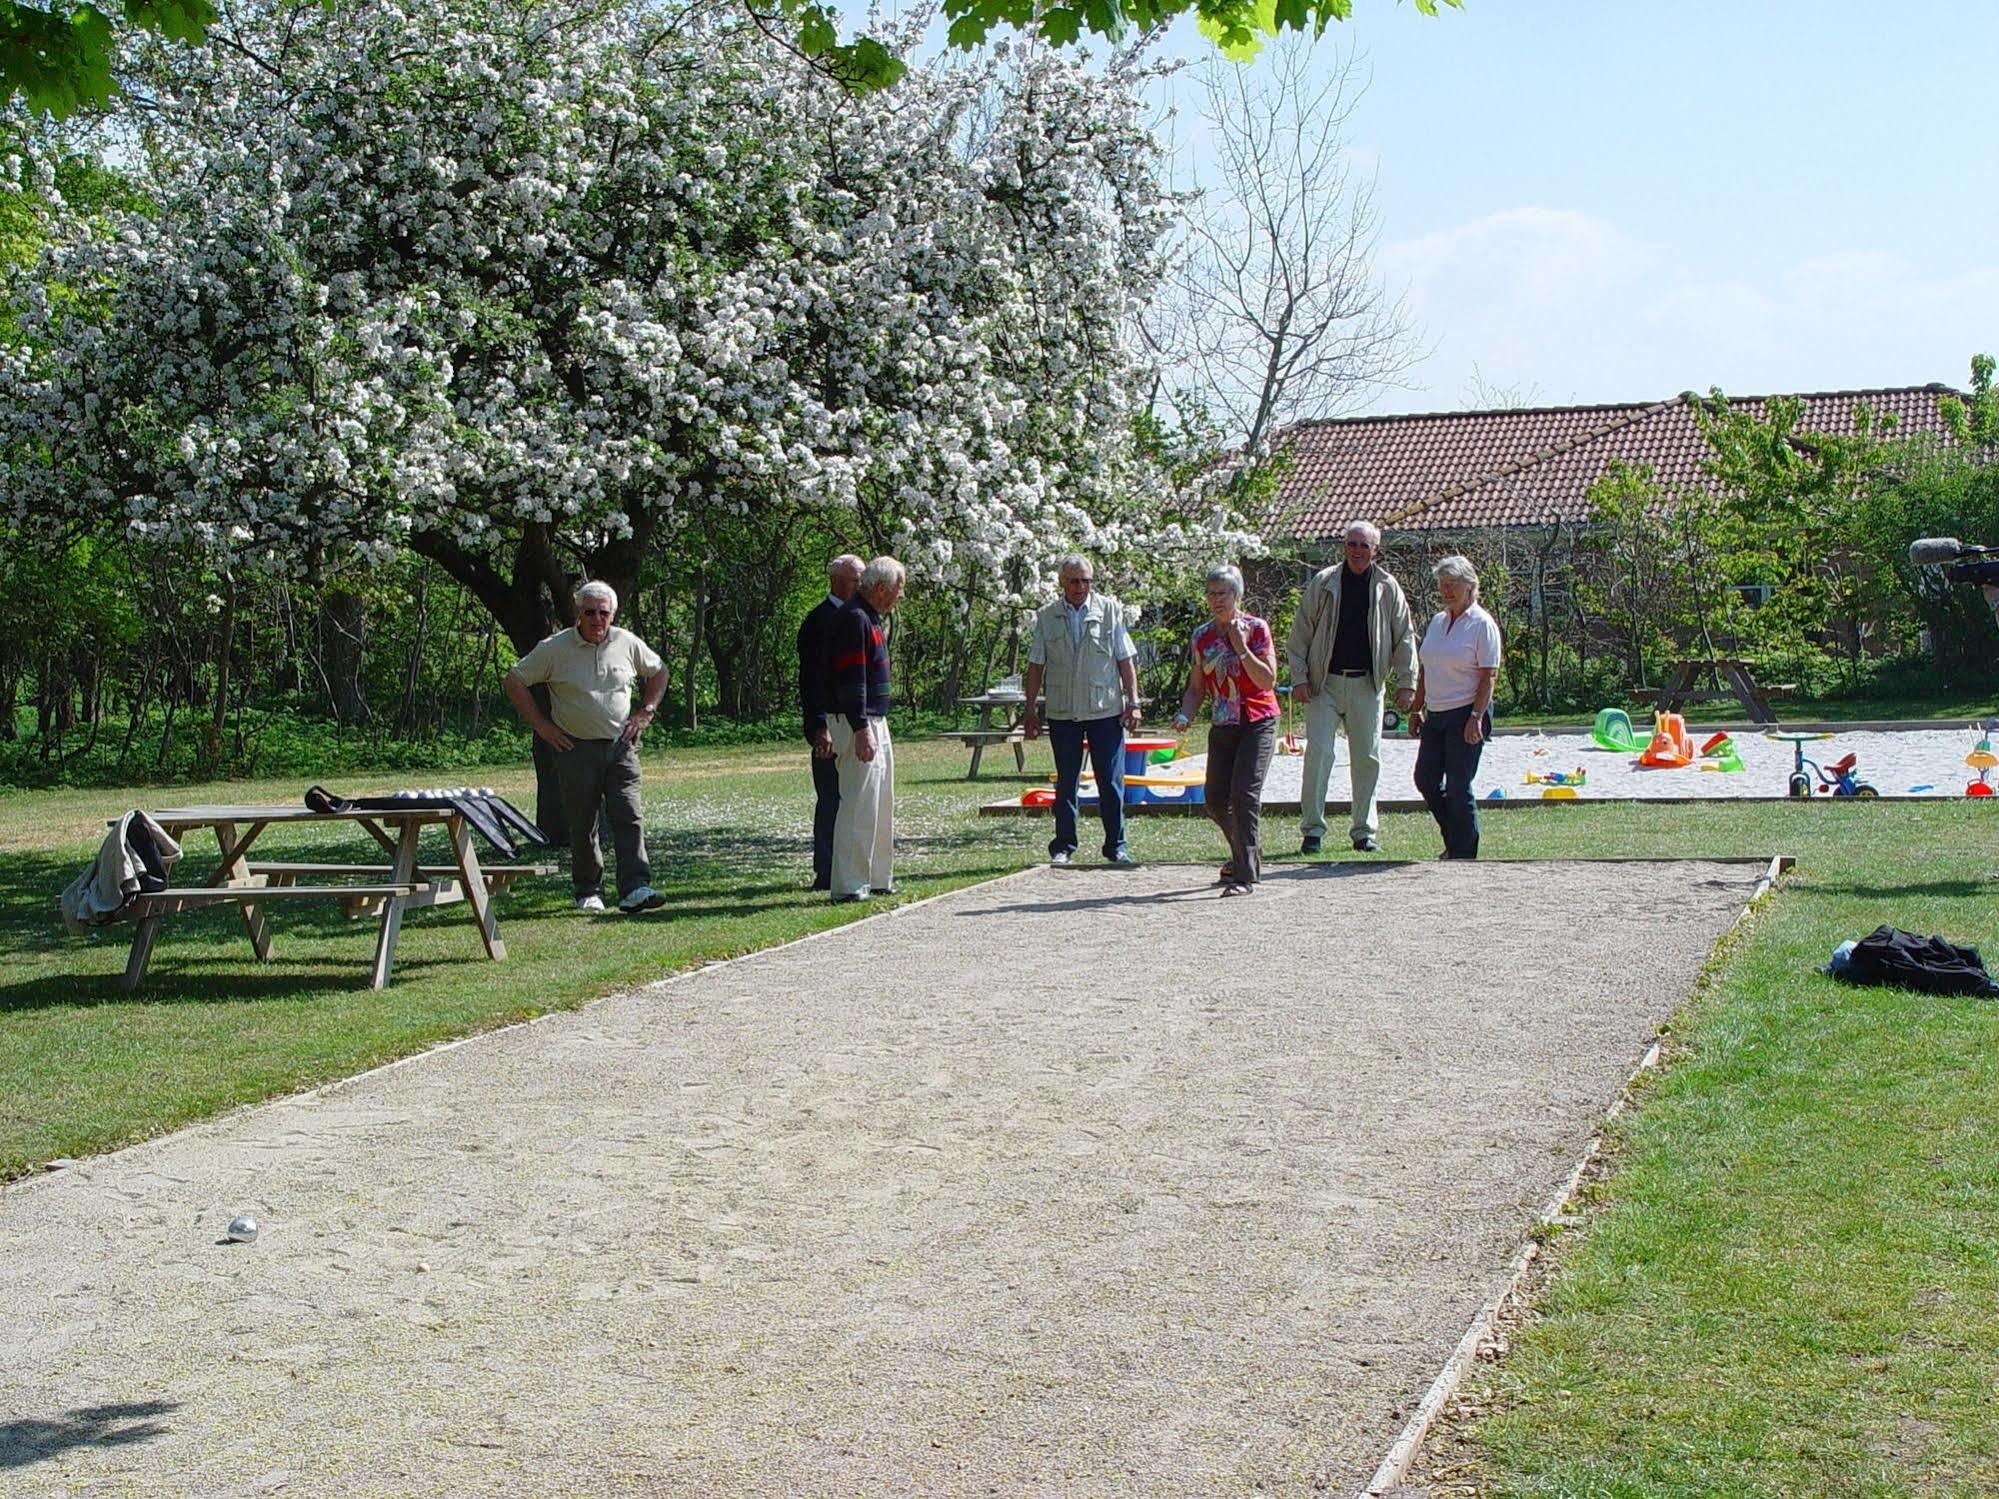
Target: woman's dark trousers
{"points": [[1445, 765], [1238, 756]]}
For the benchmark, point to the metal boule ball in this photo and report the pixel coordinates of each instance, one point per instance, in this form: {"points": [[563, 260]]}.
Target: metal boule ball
{"points": [[243, 1229]]}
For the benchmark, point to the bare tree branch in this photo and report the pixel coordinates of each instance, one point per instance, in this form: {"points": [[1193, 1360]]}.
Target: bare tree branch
{"points": [[1274, 312]]}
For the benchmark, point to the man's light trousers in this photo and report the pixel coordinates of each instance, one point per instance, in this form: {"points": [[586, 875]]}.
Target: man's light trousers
{"points": [[1352, 703], [864, 830]]}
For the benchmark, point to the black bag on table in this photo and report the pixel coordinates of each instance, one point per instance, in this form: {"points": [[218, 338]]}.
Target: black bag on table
{"points": [[1903, 960]]}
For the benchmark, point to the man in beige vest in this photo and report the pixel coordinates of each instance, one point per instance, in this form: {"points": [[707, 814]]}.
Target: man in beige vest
{"points": [[1082, 653], [1352, 631], [591, 669]]}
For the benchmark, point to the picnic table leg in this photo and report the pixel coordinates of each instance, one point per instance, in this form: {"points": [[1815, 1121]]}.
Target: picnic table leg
{"points": [[236, 871], [978, 749], [143, 936], [1750, 694], [1019, 755], [1684, 675], [404, 873], [476, 893]]}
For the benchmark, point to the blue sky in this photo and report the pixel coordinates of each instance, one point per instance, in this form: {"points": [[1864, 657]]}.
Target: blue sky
{"points": [[1616, 200], [1601, 200]]}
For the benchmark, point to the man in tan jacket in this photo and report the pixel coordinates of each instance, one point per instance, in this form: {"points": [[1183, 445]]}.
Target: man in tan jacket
{"points": [[1352, 632]]}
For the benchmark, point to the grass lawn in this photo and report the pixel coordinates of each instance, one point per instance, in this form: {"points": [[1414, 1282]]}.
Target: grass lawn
{"points": [[1790, 1285]]}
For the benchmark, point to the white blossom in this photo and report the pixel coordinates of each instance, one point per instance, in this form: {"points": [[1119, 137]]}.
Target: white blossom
{"points": [[474, 279]]}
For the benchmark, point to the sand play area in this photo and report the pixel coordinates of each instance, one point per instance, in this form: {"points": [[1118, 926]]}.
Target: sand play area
{"points": [[1076, 1183], [1897, 762], [1926, 762]]}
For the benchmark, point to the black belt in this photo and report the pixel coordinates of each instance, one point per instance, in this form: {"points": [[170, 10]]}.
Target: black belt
{"points": [[1363, 672]]}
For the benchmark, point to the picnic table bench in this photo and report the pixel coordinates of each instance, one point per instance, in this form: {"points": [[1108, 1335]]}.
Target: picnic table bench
{"points": [[981, 739], [384, 891], [1741, 686], [1012, 731]]}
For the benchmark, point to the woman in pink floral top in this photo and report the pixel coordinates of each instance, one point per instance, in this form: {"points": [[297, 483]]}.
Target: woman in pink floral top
{"points": [[1235, 663]]}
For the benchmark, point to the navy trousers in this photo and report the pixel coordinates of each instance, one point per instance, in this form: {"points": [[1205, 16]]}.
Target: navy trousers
{"points": [[1105, 738], [825, 809], [1445, 765]]}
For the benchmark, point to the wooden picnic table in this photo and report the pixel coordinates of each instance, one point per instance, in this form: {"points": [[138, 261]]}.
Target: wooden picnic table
{"points": [[389, 889], [1740, 685], [1012, 731]]}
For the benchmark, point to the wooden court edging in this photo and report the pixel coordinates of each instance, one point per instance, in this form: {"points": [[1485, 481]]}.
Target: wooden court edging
{"points": [[1401, 1454]]}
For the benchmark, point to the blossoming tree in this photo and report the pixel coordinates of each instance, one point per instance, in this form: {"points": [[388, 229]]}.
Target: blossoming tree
{"points": [[530, 290]]}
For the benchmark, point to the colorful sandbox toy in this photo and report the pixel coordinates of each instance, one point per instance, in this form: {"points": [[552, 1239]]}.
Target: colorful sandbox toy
{"points": [[1718, 753], [1576, 777], [1612, 731], [1981, 759], [1672, 747], [1153, 774]]}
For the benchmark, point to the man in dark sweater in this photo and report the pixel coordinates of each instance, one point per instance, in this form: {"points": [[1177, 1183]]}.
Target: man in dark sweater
{"points": [[815, 703], [864, 828]]}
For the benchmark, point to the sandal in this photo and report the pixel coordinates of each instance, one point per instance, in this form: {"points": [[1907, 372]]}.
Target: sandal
{"points": [[1236, 888]]}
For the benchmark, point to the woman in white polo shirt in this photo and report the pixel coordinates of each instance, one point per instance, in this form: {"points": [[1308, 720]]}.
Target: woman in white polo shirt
{"points": [[1453, 712]]}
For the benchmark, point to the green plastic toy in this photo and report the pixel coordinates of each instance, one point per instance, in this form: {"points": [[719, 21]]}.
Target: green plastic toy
{"points": [[1613, 731]]}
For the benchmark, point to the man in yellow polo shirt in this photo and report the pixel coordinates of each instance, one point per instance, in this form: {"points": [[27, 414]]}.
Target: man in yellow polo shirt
{"points": [[590, 671]]}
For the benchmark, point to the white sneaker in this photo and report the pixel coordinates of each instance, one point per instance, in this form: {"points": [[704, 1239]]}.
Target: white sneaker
{"points": [[1060, 861], [645, 898], [591, 903]]}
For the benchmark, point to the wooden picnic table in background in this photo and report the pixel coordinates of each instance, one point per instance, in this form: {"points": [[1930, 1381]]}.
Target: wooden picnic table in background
{"points": [[1012, 731], [390, 889], [1740, 684]]}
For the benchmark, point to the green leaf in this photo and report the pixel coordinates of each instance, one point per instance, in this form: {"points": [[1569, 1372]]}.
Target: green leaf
{"points": [[178, 20], [866, 64], [969, 30], [1061, 26], [1238, 27], [817, 35]]}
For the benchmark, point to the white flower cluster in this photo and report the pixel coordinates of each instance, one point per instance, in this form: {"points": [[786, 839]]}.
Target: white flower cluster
{"points": [[485, 279]]}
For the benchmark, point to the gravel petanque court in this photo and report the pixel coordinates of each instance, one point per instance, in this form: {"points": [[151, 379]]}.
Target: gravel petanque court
{"points": [[1077, 1183]]}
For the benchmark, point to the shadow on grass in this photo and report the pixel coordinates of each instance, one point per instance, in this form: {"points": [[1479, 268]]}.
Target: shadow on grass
{"points": [[716, 872], [1954, 889], [27, 1440], [183, 978]]}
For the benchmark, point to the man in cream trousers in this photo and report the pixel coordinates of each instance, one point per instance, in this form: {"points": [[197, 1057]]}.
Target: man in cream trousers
{"points": [[1351, 633]]}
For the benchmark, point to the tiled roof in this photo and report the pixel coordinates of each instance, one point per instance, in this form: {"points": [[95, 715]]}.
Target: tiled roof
{"points": [[1459, 470]]}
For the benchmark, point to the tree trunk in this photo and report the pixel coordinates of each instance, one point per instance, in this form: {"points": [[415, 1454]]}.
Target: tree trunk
{"points": [[343, 627], [690, 711], [225, 648]]}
